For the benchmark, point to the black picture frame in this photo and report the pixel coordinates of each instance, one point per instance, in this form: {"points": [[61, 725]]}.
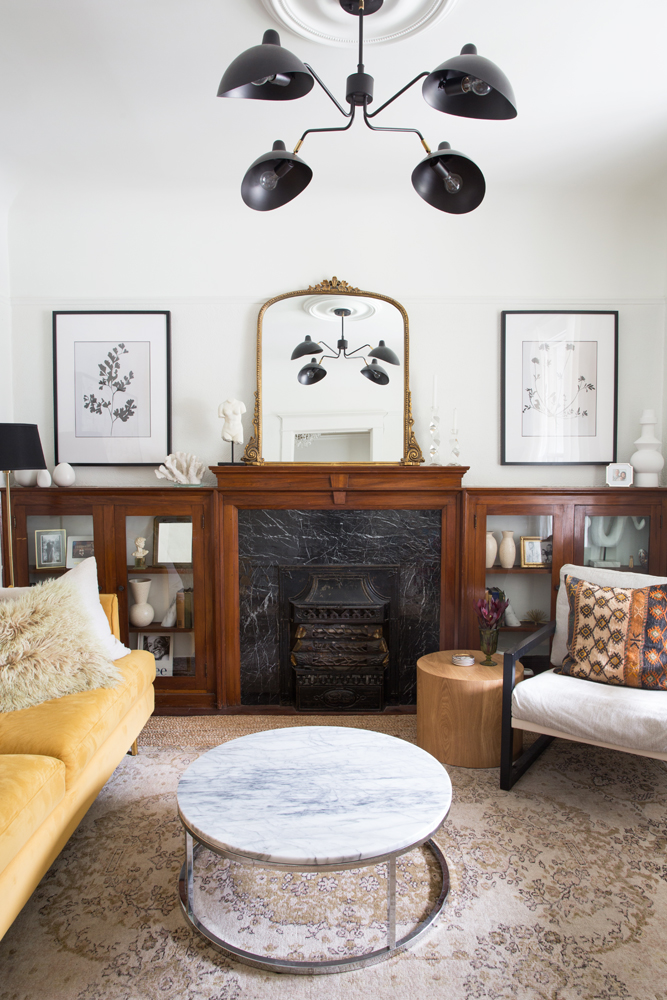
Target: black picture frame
{"points": [[567, 431], [96, 424]]}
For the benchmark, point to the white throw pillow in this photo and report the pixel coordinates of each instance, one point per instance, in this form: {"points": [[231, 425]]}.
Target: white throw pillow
{"points": [[84, 576]]}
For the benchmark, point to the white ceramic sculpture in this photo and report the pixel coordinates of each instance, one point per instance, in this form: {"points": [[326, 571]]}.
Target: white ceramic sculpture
{"points": [[140, 552], [183, 468], [169, 619], [231, 411], [511, 617], [141, 612], [26, 477], [647, 460], [43, 477], [64, 475], [507, 550], [491, 549]]}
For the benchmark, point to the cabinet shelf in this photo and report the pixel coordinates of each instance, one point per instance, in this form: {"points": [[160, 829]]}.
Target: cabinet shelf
{"points": [[156, 627], [527, 627], [187, 568], [520, 569], [54, 571]]}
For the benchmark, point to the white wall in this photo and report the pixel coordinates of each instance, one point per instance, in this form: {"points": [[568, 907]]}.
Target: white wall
{"points": [[212, 262]]}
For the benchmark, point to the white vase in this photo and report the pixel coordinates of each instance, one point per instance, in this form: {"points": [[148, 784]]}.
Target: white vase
{"points": [[491, 549], [43, 477], [647, 460], [141, 612], [507, 550], [26, 477], [64, 475]]}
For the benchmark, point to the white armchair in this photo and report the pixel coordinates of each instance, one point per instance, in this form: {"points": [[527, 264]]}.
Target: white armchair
{"points": [[633, 720]]}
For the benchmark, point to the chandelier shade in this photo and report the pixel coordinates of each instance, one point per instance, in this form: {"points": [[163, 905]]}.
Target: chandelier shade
{"points": [[311, 373], [470, 86], [384, 353], [274, 179], [266, 72], [307, 346], [449, 181], [375, 373]]}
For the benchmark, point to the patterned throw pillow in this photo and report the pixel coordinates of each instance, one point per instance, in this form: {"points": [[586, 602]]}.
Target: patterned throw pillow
{"points": [[617, 635]]}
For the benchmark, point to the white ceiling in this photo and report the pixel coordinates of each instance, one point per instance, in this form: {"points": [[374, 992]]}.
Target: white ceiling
{"points": [[124, 91]]}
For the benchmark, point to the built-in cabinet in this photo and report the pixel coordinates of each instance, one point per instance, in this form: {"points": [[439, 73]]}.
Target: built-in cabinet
{"points": [[191, 565]]}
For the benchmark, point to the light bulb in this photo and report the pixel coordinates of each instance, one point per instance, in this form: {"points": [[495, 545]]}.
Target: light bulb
{"points": [[453, 184], [269, 179], [478, 87], [280, 79]]}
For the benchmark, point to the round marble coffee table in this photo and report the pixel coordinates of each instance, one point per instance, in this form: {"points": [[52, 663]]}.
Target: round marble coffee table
{"points": [[313, 798]]}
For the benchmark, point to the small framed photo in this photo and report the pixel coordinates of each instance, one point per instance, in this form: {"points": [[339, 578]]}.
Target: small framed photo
{"points": [[112, 387], [619, 474], [79, 547], [172, 541], [531, 552], [50, 548], [161, 645]]}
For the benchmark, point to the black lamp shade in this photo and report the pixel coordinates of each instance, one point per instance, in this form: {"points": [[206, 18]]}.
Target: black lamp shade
{"points": [[20, 447], [442, 88], [384, 353], [311, 373], [293, 177], [375, 373], [306, 346], [262, 63], [430, 185]]}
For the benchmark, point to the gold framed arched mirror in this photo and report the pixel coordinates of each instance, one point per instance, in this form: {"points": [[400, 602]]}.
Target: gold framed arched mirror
{"points": [[333, 365]]}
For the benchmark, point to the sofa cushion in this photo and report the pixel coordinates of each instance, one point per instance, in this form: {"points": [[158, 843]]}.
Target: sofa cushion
{"points": [[30, 789], [48, 648], [621, 716], [74, 727], [593, 574], [84, 578], [617, 635]]}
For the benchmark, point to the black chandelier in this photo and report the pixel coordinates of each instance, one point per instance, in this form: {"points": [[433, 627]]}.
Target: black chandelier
{"points": [[314, 371], [467, 85]]}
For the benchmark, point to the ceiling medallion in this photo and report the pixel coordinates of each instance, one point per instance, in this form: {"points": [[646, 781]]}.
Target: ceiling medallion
{"points": [[325, 306], [326, 22]]}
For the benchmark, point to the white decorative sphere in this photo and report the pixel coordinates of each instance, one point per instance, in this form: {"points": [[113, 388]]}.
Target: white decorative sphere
{"points": [[43, 477], [26, 477], [64, 475]]}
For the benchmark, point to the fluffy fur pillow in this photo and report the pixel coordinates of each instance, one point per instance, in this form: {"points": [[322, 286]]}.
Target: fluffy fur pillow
{"points": [[48, 647], [617, 635]]}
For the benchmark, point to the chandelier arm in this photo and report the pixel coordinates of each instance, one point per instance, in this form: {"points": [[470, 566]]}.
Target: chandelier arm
{"points": [[334, 356], [352, 353], [398, 94], [342, 128], [346, 114], [380, 128]]}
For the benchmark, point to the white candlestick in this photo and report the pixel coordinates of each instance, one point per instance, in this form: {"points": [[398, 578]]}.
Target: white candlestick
{"points": [[434, 404], [455, 423]]}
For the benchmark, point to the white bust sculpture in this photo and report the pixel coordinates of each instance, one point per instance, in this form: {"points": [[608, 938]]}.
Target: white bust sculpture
{"points": [[232, 428], [140, 551]]}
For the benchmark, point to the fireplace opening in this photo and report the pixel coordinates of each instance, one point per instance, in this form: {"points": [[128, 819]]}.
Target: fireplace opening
{"points": [[338, 637]]}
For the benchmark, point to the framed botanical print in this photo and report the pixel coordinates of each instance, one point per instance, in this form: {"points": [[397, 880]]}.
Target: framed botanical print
{"points": [[558, 387], [112, 387]]}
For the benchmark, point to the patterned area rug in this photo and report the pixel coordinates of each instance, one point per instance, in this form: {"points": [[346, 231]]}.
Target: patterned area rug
{"points": [[559, 891]]}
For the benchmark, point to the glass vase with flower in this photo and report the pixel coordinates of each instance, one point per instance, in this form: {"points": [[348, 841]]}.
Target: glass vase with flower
{"points": [[489, 611]]}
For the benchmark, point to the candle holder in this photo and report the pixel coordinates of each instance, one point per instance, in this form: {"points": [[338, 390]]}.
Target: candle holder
{"points": [[454, 450], [434, 431]]}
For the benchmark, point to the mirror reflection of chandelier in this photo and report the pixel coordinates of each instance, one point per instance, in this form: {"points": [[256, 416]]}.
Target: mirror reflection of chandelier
{"points": [[314, 371], [467, 85]]}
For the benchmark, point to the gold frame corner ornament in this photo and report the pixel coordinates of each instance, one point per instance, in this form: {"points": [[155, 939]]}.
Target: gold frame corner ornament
{"points": [[412, 453]]}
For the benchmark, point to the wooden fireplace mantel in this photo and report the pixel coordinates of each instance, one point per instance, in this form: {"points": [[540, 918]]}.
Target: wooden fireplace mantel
{"points": [[285, 485]]}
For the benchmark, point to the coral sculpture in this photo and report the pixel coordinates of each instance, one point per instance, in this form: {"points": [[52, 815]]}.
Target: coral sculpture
{"points": [[182, 468]]}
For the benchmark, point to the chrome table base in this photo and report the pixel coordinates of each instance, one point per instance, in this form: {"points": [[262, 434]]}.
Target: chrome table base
{"points": [[186, 895]]}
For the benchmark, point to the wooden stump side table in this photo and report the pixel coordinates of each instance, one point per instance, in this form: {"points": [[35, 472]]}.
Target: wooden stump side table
{"points": [[459, 709]]}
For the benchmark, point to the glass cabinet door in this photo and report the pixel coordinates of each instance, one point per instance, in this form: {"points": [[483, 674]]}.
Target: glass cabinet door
{"points": [[620, 535], [161, 598]]}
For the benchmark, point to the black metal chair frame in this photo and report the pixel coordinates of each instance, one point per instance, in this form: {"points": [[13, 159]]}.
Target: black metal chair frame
{"points": [[511, 770]]}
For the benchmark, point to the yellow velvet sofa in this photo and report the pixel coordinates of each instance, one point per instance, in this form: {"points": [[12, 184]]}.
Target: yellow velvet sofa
{"points": [[54, 759]]}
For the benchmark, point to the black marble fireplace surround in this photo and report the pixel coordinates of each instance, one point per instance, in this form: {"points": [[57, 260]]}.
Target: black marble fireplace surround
{"points": [[273, 539]]}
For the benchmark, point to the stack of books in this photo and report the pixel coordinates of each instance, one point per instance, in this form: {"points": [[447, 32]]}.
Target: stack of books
{"points": [[184, 608]]}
